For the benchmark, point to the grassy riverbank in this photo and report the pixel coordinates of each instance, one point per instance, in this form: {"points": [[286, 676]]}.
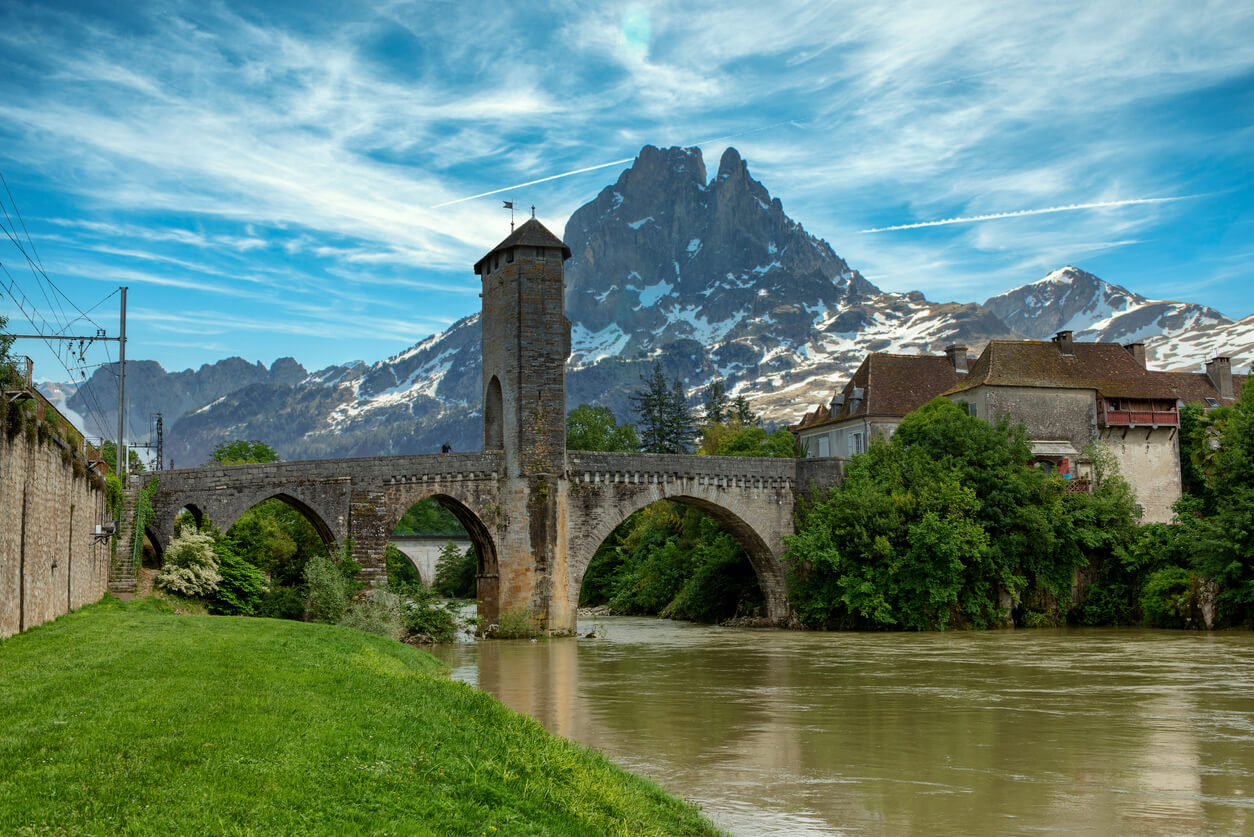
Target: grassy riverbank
{"points": [[122, 718]]}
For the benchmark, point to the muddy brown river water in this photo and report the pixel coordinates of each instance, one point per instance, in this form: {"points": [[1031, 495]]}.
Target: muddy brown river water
{"points": [[1075, 731]]}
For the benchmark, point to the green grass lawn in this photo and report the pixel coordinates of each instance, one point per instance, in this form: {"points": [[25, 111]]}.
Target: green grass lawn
{"points": [[122, 718]]}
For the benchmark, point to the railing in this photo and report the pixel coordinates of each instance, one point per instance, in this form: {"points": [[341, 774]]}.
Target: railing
{"points": [[1080, 486], [1142, 418]]}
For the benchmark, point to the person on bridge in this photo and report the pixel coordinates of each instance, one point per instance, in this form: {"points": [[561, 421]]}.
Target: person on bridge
{"points": [[446, 448]]}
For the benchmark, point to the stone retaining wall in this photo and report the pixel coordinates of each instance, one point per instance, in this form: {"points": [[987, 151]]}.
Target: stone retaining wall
{"points": [[49, 563]]}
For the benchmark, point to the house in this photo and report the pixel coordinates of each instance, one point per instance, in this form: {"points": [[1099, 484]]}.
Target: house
{"points": [[1069, 395], [881, 392]]}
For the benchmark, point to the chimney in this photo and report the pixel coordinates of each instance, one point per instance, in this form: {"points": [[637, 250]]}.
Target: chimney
{"points": [[1063, 339], [1137, 350], [957, 357], [1219, 371]]}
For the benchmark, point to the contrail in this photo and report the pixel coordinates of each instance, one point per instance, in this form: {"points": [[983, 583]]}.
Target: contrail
{"points": [[534, 182], [1068, 208], [605, 165]]}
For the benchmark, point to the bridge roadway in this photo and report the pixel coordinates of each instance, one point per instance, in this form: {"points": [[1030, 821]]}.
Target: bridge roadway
{"points": [[361, 501]]}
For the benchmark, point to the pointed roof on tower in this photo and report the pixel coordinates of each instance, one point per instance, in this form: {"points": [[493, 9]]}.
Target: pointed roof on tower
{"points": [[531, 233]]}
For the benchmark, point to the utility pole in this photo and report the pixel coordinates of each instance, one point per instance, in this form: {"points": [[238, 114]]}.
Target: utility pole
{"points": [[121, 444], [82, 341]]}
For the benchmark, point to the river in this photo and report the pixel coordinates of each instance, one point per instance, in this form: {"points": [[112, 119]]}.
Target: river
{"points": [[1079, 731]]}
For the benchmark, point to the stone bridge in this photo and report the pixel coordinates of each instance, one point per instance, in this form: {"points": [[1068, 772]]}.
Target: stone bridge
{"points": [[535, 512]]}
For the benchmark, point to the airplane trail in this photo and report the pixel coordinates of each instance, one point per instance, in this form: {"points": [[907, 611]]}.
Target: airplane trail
{"points": [[970, 219]]}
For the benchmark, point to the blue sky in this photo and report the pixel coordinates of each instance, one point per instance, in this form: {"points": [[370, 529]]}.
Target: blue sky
{"points": [[284, 180]]}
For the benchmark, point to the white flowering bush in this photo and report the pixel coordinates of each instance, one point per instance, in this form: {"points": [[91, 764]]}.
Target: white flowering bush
{"points": [[191, 566]]}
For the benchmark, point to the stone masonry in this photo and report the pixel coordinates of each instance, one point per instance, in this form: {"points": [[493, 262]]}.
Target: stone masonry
{"points": [[49, 562]]}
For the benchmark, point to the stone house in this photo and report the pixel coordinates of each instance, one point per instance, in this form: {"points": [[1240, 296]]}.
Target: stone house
{"points": [[875, 399], [1069, 395]]}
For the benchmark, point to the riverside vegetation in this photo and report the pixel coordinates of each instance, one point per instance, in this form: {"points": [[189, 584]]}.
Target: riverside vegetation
{"points": [[123, 718]]}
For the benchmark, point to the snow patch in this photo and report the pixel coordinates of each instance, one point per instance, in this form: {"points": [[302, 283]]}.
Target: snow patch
{"points": [[635, 225]]}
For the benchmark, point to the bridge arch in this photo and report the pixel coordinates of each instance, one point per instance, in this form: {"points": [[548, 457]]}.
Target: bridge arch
{"points": [[762, 556], [487, 571]]}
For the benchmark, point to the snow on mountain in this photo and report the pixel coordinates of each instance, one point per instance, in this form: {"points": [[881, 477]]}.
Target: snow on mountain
{"points": [[1191, 347], [1070, 299]]}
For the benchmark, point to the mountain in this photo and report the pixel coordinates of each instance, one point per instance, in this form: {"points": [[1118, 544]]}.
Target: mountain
{"points": [[706, 276], [1071, 299], [1189, 348]]}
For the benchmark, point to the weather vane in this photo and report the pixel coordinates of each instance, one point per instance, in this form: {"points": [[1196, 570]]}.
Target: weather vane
{"points": [[510, 206]]}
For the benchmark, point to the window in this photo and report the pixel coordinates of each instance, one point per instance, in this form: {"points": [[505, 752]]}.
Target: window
{"points": [[1211, 402], [856, 444], [824, 446]]}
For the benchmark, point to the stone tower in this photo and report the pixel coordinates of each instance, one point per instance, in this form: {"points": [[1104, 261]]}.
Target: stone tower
{"points": [[526, 341]]}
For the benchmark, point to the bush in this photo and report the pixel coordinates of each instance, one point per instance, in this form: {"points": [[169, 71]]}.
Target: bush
{"points": [[282, 602], [375, 612], [241, 587], [423, 615], [329, 590], [401, 570], [191, 566], [1171, 599], [513, 624]]}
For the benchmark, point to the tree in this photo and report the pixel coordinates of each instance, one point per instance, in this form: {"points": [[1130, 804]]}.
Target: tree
{"points": [[109, 452], [1224, 553], [743, 413], [714, 402], [240, 452], [455, 571], [650, 406], [928, 527], [428, 517], [191, 566], [679, 423], [6, 362], [594, 428]]}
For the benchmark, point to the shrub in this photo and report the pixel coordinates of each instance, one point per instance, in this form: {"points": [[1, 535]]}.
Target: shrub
{"points": [[424, 615], [191, 566], [375, 612], [401, 570], [329, 590], [241, 586], [281, 602], [1170, 598], [513, 624]]}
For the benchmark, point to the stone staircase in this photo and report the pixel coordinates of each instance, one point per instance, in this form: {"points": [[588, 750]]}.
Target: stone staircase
{"points": [[122, 568]]}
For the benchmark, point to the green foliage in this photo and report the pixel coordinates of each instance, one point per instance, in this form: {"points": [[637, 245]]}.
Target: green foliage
{"points": [[240, 452], [595, 428], [109, 453], [734, 439], [672, 561], [113, 496], [455, 571], [281, 602], [1170, 598], [143, 518], [666, 424], [714, 402], [400, 569], [329, 589], [931, 526], [241, 586], [423, 615], [376, 612], [191, 566], [514, 624], [428, 517]]}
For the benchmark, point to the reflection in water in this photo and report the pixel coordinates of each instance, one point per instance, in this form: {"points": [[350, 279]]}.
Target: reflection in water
{"points": [[1078, 731]]}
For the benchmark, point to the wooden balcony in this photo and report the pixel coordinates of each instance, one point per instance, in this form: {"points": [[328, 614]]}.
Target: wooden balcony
{"points": [[1142, 418]]}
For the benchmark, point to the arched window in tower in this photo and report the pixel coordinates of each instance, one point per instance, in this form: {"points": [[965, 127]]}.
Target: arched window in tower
{"points": [[493, 417]]}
